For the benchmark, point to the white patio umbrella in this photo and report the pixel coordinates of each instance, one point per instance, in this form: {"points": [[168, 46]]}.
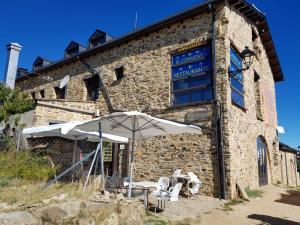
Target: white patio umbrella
{"points": [[55, 130], [134, 125]]}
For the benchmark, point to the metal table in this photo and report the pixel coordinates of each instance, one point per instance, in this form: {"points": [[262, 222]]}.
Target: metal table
{"points": [[145, 186]]}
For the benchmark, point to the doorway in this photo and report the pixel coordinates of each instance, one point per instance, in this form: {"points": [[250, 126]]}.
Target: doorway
{"points": [[262, 161]]}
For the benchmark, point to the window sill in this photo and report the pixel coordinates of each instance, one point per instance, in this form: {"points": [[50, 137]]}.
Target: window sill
{"points": [[189, 104], [260, 118], [238, 106]]}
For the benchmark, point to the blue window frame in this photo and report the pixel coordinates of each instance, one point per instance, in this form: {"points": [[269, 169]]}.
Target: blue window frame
{"points": [[191, 76], [236, 82]]}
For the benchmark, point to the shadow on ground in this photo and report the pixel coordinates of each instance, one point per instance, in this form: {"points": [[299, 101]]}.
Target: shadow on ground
{"points": [[292, 198], [270, 220]]}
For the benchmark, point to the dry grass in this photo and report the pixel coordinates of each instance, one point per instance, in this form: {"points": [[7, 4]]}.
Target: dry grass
{"points": [[29, 192]]}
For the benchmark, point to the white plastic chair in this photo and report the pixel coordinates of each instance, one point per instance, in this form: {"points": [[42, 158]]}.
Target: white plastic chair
{"points": [[177, 172], [174, 179], [170, 196], [162, 185], [194, 184]]}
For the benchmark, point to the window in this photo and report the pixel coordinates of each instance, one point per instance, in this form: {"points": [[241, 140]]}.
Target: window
{"points": [[254, 35], [237, 81], [42, 93], [97, 41], [33, 95], [60, 93], [92, 87], [258, 100], [191, 76], [119, 72]]}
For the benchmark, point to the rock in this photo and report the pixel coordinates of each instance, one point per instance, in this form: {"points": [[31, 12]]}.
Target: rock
{"points": [[86, 221], [52, 214], [134, 213], [120, 197], [60, 211], [55, 198], [98, 197], [18, 218], [3, 205], [15, 207], [113, 219], [46, 201], [106, 195], [95, 206]]}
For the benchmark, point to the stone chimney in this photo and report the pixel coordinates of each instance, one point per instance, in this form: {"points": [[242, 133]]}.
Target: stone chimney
{"points": [[13, 51]]}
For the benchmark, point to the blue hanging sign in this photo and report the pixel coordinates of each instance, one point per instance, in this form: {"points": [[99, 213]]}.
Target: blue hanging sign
{"points": [[192, 69], [194, 55]]}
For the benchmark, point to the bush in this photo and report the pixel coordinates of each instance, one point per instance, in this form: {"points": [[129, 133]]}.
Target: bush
{"points": [[25, 165], [6, 143]]}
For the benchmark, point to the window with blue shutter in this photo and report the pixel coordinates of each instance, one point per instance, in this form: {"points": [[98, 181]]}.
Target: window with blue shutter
{"points": [[237, 81], [191, 76]]}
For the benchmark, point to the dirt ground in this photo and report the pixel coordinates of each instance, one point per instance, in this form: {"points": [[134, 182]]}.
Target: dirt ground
{"points": [[278, 206]]}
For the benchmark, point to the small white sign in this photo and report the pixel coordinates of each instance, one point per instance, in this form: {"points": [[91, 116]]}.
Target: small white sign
{"points": [[280, 130]]}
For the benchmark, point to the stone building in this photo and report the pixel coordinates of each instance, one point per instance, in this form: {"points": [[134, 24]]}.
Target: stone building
{"points": [[288, 165], [179, 69]]}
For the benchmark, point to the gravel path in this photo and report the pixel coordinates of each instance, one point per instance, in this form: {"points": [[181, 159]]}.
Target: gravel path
{"points": [[278, 206]]}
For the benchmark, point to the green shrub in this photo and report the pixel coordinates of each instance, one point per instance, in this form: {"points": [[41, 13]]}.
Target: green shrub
{"points": [[6, 143], [25, 165]]}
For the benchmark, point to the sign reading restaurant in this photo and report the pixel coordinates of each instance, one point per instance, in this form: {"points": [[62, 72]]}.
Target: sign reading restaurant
{"points": [[191, 74]]}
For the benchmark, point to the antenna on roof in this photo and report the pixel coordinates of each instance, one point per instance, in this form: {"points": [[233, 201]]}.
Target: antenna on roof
{"points": [[64, 82], [136, 19]]}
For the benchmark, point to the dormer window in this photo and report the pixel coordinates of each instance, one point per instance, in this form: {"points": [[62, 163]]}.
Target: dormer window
{"points": [[98, 37], [40, 62], [73, 49]]}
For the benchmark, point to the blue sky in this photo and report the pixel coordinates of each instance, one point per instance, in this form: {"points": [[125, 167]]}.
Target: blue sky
{"points": [[46, 27]]}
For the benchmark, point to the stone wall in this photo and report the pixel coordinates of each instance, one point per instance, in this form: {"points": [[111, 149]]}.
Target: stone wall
{"points": [[242, 127], [288, 169], [54, 111], [145, 87]]}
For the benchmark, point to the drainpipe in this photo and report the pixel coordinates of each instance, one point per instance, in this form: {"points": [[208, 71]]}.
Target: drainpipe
{"points": [[217, 113], [295, 163], [102, 87]]}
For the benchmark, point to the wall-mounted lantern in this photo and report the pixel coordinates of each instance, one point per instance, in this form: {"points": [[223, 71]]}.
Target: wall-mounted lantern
{"points": [[247, 56]]}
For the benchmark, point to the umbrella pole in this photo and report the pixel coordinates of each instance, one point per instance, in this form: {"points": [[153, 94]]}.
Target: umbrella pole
{"points": [[101, 157], [88, 176], [131, 160], [74, 155]]}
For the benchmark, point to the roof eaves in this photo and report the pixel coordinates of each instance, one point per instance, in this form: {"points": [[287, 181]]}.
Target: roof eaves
{"points": [[285, 147], [259, 18], [127, 37]]}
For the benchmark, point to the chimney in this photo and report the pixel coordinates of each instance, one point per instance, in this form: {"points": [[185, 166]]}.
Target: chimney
{"points": [[13, 51]]}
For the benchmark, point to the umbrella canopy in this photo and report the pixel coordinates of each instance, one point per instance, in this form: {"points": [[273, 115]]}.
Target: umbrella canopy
{"points": [[133, 125], [126, 123], [55, 130]]}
